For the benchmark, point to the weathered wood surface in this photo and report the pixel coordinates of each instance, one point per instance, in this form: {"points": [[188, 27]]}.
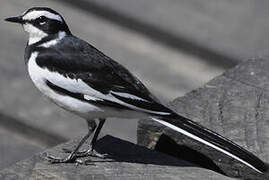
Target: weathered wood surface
{"points": [[16, 147], [129, 161], [235, 104], [237, 30], [147, 58]]}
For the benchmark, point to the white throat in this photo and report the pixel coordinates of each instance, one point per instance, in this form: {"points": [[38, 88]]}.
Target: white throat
{"points": [[53, 42], [35, 34]]}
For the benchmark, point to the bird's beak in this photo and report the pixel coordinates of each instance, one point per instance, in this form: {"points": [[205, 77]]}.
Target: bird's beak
{"points": [[17, 19]]}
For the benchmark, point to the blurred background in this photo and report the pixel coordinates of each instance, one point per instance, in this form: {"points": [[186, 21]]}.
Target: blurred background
{"points": [[173, 46]]}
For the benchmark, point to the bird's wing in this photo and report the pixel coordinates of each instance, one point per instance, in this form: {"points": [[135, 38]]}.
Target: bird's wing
{"points": [[93, 75]]}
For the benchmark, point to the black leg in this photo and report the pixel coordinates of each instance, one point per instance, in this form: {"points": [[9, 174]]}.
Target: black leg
{"points": [[91, 151], [72, 156], [97, 132]]}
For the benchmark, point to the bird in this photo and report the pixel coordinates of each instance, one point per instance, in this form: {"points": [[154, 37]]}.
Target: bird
{"points": [[83, 80]]}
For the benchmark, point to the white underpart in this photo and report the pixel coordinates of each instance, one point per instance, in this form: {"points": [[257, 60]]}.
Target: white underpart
{"points": [[182, 131], [36, 14], [53, 42], [130, 96], [39, 75], [35, 34]]}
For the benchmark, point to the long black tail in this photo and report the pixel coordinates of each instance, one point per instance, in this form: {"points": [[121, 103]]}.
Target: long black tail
{"points": [[212, 139]]}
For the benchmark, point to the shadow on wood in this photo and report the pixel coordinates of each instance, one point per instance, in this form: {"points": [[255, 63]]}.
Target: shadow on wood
{"points": [[123, 151], [129, 161], [168, 146]]}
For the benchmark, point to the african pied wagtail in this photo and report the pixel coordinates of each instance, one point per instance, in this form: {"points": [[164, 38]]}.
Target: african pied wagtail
{"points": [[83, 80]]}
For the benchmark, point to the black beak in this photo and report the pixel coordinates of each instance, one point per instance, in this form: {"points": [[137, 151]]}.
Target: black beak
{"points": [[17, 19]]}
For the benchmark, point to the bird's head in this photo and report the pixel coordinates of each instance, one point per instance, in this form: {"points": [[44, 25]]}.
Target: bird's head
{"points": [[41, 22]]}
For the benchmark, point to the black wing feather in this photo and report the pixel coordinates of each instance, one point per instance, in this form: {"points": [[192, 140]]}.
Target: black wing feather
{"points": [[77, 59]]}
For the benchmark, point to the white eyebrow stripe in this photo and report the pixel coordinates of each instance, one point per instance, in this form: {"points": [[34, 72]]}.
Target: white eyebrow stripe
{"points": [[36, 14]]}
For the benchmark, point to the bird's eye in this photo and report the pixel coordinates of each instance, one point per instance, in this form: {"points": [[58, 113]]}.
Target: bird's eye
{"points": [[41, 20]]}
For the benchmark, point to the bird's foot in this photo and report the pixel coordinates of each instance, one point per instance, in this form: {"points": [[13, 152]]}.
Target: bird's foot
{"points": [[69, 159], [90, 152], [78, 154]]}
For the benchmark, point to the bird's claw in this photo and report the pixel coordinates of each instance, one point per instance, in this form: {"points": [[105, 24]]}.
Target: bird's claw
{"points": [[69, 159], [90, 152]]}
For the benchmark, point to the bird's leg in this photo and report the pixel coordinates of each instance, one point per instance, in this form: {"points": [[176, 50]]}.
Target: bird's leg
{"points": [[73, 154], [91, 151], [94, 139]]}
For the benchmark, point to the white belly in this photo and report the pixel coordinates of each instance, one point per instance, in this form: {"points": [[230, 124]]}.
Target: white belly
{"points": [[39, 77]]}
